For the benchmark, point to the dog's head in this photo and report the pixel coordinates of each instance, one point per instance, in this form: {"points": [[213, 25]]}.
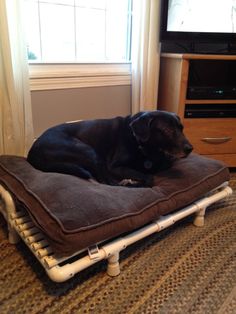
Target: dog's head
{"points": [[160, 133]]}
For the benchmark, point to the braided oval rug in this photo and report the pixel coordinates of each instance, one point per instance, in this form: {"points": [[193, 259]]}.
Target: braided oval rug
{"points": [[183, 269]]}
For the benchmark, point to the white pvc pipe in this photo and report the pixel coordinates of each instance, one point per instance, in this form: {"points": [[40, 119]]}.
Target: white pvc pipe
{"points": [[108, 251], [25, 226], [58, 273], [39, 245], [35, 237], [44, 252], [29, 232]]}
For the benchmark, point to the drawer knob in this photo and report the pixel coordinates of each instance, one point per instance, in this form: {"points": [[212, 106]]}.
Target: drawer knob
{"points": [[216, 140]]}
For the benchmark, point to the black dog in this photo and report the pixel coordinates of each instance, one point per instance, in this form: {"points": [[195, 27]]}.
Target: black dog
{"points": [[118, 151]]}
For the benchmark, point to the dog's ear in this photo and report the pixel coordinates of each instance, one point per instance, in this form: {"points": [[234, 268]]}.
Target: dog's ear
{"points": [[141, 127]]}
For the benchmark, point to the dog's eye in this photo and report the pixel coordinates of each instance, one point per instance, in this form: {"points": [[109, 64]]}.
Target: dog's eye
{"points": [[166, 132]]}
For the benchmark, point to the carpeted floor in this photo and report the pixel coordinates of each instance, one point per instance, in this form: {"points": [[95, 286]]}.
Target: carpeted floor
{"points": [[184, 269]]}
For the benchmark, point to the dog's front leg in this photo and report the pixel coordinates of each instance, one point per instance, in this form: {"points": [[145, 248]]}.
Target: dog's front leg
{"points": [[104, 175], [131, 183], [132, 177]]}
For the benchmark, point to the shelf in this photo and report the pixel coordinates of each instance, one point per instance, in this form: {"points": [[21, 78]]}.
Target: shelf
{"points": [[211, 135], [210, 101], [194, 56]]}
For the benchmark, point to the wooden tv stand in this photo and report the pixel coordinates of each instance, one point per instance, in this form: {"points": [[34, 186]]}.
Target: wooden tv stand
{"points": [[214, 137]]}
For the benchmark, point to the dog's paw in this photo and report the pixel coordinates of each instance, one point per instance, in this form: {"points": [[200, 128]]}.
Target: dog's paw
{"points": [[130, 183], [144, 182]]}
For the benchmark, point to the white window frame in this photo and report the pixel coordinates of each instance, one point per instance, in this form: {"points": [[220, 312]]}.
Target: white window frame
{"points": [[49, 76], [44, 76]]}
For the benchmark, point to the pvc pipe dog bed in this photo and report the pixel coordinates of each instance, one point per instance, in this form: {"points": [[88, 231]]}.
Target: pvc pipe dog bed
{"points": [[61, 216]]}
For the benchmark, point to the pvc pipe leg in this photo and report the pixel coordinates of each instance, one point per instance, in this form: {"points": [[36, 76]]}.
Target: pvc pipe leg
{"points": [[113, 266], [199, 218], [13, 236]]}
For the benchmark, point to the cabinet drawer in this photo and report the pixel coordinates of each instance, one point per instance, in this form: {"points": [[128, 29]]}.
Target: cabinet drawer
{"points": [[211, 136]]}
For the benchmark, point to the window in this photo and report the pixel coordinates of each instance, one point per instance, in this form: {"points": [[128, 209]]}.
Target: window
{"points": [[60, 31]]}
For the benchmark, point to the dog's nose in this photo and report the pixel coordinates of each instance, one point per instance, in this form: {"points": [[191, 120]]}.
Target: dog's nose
{"points": [[187, 149]]}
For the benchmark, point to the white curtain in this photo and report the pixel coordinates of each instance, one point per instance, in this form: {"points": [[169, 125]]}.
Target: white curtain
{"points": [[16, 130], [145, 54]]}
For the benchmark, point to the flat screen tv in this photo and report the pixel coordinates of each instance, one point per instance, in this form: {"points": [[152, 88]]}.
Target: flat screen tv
{"points": [[199, 21]]}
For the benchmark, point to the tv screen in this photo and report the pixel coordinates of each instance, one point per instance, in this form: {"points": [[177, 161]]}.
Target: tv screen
{"points": [[198, 21], [202, 16]]}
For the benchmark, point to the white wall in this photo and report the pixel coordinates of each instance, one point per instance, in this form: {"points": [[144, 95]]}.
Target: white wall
{"points": [[57, 106]]}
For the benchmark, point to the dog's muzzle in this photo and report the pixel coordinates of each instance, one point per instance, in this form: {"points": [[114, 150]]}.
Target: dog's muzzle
{"points": [[188, 149]]}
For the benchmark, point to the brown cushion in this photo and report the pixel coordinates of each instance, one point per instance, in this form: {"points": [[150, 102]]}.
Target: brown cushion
{"points": [[74, 213]]}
